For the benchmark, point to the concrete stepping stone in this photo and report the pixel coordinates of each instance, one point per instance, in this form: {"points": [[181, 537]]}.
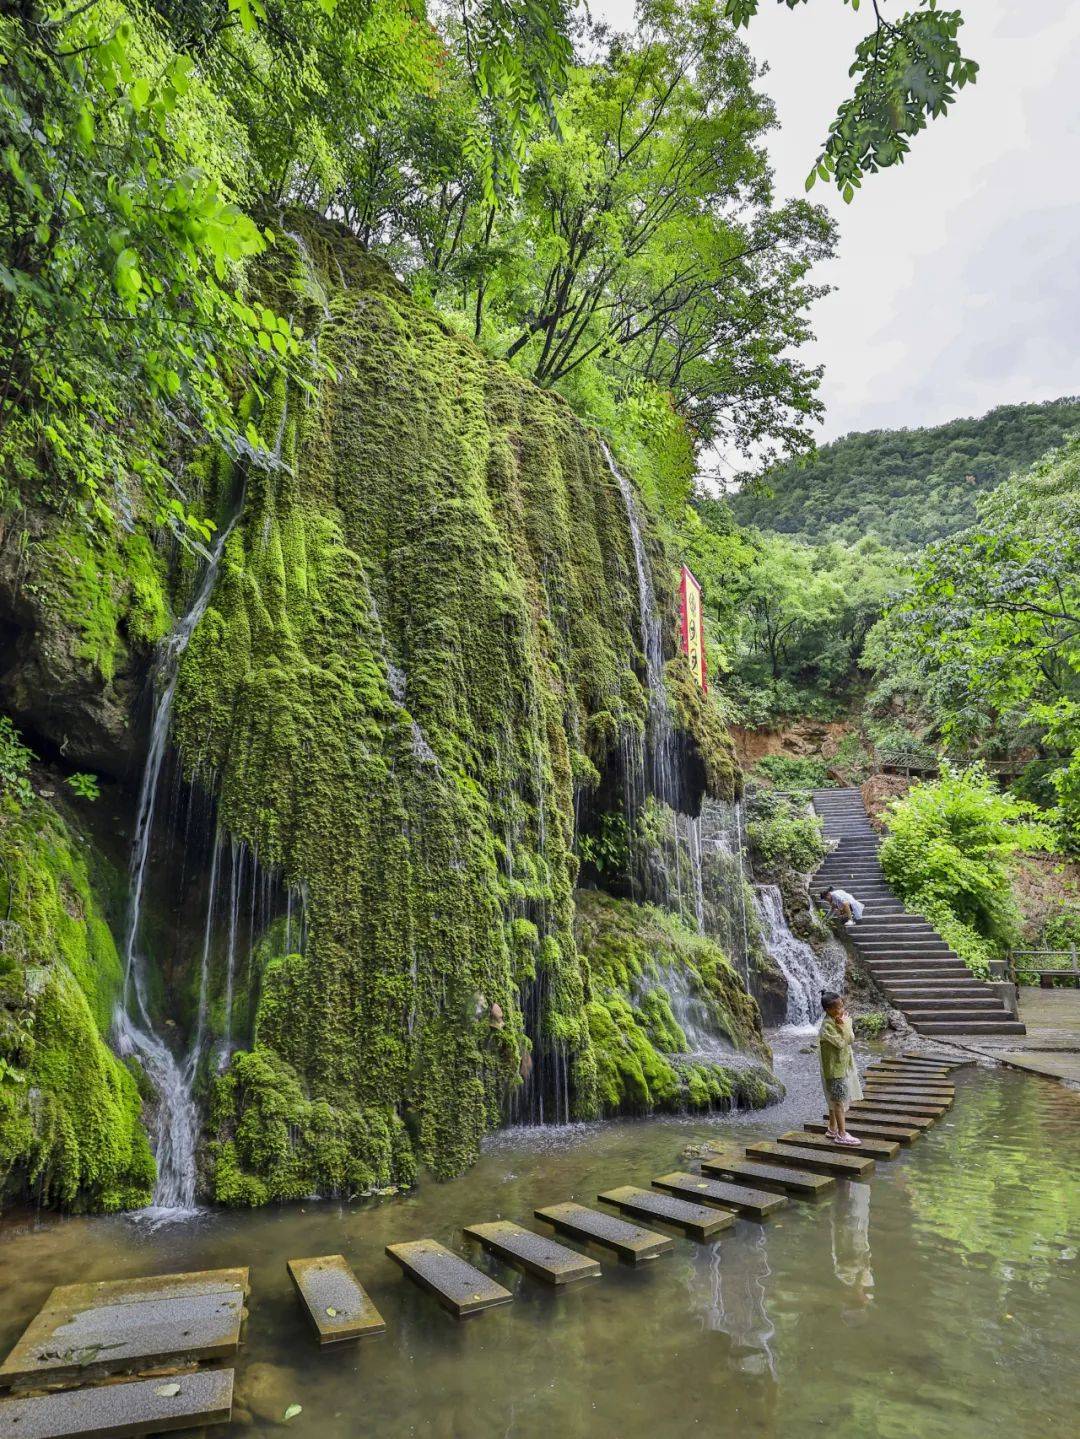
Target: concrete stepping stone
{"points": [[629, 1241], [336, 1302], [870, 1114], [458, 1285], [851, 1165], [907, 1091], [900, 1133], [752, 1203], [908, 1066], [696, 1220], [928, 1109], [772, 1176], [111, 1326], [534, 1252], [875, 1148], [113, 1411]]}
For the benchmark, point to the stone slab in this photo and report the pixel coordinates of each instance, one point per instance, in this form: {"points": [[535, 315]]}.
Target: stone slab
{"points": [[845, 1166], [772, 1176], [898, 1104], [908, 1091], [336, 1302], [114, 1411], [629, 1241], [875, 1148], [868, 1114], [458, 1285], [696, 1220], [928, 1071], [863, 1130], [116, 1325], [534, 1252], [752, 1203]]}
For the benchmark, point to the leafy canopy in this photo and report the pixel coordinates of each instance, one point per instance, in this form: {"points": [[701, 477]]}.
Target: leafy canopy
{"points": [[906, 71]]}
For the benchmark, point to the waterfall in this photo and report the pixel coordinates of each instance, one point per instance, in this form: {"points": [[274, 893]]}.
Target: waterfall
{"points": [[798, 963], [176, 1123], [661, 734]]}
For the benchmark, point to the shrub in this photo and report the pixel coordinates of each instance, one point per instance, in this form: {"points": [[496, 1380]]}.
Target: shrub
{"points": [[795, 772], [783, 834], [948, 854]]}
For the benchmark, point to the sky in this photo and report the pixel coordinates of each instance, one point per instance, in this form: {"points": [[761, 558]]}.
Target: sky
{"points": [[957, 277]]}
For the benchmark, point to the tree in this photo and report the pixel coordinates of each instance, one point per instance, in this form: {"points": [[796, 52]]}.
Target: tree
{"points": [[646, 244], [993, 620], [907, 72]]}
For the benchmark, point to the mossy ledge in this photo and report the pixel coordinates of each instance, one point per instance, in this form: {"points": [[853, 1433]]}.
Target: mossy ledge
{"points": [[70, 1130], [423, 638], [638, 956]]}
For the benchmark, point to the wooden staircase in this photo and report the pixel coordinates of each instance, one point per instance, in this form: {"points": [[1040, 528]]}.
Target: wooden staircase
{"points": [[921, 976]]}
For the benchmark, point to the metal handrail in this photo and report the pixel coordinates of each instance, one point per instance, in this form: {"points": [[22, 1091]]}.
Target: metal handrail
{"points": [[1072, 955]]}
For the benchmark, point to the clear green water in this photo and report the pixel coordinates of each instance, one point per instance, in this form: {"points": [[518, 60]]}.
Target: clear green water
{"points": [[939, 1299]]}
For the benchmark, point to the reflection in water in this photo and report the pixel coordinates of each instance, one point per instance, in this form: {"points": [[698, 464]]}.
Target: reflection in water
{"points": [[851, 1241], [730, 1286], [974, 1328]]}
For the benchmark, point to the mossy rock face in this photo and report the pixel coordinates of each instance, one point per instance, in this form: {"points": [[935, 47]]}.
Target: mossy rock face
{"points": [[70, 1128], [423, 637], [638, 956], [86, 610]]}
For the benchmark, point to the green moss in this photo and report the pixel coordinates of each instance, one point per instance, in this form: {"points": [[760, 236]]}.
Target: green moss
{"points": [[422, 639], [633, 951], [107, 586], [70, 1130]]}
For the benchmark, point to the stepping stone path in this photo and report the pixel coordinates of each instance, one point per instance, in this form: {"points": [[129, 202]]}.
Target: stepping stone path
{"points": [[908, 959], [89, 1333], [696, 1220], [629, 1241], [336, 1302], [456, 1284], [753, 1203], [539, 1255]]}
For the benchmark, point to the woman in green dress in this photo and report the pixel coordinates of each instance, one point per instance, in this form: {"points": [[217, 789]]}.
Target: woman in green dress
{"points": [[839, 1076]]}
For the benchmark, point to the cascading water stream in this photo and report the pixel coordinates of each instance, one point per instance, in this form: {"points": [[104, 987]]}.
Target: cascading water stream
{"points": [[805, 975], [176, 1123]]}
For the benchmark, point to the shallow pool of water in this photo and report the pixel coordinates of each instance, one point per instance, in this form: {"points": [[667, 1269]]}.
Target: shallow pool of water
{"points": [[939, 1299]]}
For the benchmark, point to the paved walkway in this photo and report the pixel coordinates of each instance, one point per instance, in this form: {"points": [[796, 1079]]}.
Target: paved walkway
{"points": [[1051, 1045]]}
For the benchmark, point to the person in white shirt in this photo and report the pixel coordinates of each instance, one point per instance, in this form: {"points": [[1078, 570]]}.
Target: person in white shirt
{"points": [[843, 905]]}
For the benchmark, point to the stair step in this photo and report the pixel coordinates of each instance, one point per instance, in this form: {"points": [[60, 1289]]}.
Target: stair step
{"points": [[997, 1026]]}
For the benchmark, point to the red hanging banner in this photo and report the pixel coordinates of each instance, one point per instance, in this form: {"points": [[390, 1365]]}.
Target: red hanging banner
{"points": [[693, 633]]}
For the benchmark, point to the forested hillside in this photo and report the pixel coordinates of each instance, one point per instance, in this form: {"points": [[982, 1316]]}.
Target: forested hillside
{"points": [[908, 487]]}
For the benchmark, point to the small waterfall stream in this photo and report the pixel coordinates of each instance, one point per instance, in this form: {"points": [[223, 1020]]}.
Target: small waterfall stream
{"points": [[805, 974], [176, 1123]]}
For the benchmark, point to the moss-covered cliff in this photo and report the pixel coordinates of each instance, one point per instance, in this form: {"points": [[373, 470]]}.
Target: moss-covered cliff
{"points": [[421, 656]]}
